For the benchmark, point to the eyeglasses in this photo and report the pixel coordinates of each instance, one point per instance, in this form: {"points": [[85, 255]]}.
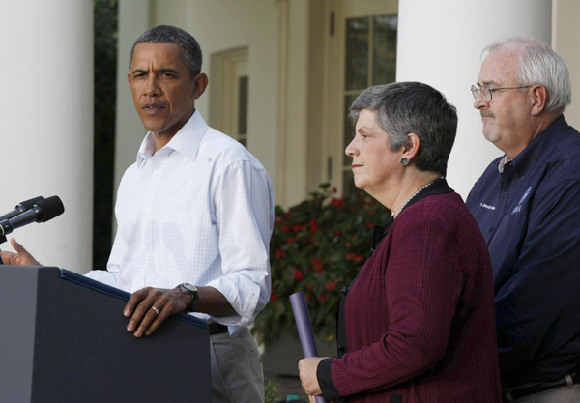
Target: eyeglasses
{"points": [[486, 92]]}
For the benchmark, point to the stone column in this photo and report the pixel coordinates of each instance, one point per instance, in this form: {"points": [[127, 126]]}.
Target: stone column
{"points": [[47, 123]]}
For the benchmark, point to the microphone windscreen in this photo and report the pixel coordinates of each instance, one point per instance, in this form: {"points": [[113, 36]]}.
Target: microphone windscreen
{"points": [[50, 207], [28, 204]]}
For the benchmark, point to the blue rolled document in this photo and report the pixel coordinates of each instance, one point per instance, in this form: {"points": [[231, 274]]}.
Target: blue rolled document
{"points": [[304, 326]]}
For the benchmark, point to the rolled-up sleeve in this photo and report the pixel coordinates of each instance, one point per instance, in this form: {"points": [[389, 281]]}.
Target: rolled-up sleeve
{"points": [[244, 207]]}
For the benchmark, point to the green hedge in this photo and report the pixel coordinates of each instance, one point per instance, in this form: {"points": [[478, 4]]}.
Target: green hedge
{"points": [[317, 247]]}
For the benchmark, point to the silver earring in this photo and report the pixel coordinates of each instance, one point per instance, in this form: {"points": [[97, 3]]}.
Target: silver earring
{"points": [[404, 161]]}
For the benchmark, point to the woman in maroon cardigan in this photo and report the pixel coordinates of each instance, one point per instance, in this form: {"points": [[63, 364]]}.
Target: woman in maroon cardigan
{"points": [[417, 324]]}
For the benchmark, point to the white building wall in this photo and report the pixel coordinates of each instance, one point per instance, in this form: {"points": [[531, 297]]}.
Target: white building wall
{"points": [[291, 172], [133, 20]]}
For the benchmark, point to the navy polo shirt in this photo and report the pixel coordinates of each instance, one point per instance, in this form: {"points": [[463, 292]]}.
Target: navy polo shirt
{"points": [[528, 210]]}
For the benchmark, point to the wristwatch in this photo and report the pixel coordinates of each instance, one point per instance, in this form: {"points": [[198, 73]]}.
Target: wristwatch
{"points": [[190, 290]]}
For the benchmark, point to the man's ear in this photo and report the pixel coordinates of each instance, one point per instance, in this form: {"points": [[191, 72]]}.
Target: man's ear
{"points": [[201, 80], [538, 96]]}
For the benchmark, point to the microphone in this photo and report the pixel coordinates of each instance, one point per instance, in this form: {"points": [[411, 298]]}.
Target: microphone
{"points": [[41, 211], [21, 207]]}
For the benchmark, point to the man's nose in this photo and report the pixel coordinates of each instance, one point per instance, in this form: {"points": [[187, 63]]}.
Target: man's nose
{"points": [[480, 103], [152, 86]]}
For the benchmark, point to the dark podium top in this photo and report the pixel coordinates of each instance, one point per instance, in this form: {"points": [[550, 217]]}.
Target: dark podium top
{"points": [[63, 338]]}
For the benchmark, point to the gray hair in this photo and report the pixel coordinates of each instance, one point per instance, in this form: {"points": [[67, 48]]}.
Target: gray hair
{"points": [[412, 107], [539, 64], [190, 50]]}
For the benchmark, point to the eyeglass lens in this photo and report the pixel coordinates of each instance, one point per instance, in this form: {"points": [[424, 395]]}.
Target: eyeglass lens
{"points": [[484, 90]]}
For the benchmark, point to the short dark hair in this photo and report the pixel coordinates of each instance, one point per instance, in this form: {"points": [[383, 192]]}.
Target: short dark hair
{"points": [[413, 107], [190, 50]]}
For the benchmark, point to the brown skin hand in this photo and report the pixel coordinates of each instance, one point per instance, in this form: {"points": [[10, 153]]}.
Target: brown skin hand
{"points": [[145, 321], [21, 258]]}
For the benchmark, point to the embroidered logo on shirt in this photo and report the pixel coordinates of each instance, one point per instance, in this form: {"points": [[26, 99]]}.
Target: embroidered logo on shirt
{"points": [[518, 208], [486, 206]]}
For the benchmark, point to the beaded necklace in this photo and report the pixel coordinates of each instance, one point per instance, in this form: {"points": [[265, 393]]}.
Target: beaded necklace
{"points": [[412, 197]]}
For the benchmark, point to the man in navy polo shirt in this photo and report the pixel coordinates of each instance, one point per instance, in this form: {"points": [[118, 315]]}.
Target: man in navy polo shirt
{"points": [[527, 205]]}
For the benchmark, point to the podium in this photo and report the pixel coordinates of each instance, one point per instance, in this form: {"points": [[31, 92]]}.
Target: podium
{"points": [[63, 338]]}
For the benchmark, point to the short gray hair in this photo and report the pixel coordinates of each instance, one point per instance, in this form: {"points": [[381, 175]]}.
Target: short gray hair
{"points": [[190, 50], [413, 107], [539, 64]]}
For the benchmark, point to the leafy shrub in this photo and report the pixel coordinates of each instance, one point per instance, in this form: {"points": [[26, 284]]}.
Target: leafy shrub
{"points": [[317, 247], [271, 391]]}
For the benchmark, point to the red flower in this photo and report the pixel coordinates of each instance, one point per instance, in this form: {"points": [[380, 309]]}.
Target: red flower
{"points": [[323, 297], [337, 202], [273, 297], [286, 229], [297, 227], [280, 253], [316, 264], [298, 275], [330, 285], [354, 257], [313, 227]]}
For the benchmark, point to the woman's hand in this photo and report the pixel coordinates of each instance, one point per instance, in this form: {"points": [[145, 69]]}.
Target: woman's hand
{"points": [[308, 377]]}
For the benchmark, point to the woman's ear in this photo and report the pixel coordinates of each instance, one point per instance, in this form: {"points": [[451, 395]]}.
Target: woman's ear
{"points": [[411, 150]]}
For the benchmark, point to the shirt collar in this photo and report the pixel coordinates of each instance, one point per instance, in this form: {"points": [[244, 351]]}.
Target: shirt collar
{"points": [[502, 164], [186, 141], [528, 156]]}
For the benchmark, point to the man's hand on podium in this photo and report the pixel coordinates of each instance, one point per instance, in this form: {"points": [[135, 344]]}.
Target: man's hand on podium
{"points": [[149, 307], [21, 258]]}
